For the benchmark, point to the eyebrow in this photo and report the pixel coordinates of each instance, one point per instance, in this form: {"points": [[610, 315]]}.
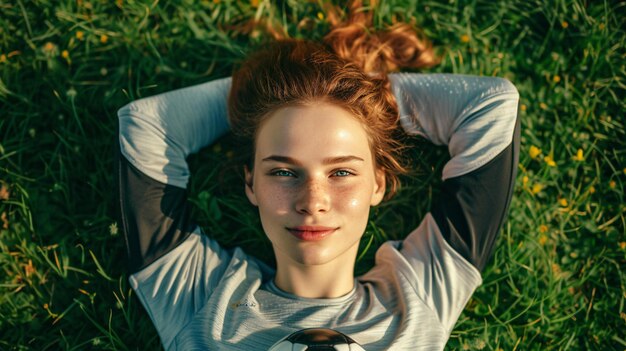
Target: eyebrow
{"points": [[326, 161]]}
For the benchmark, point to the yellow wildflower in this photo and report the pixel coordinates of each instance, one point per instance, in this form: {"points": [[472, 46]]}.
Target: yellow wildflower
{"points": [[65, 54], [563, 202], [579, 155], [80, 35], [564, 24], [612, 184], [556, 79], [550, 161], [543, 228], [542, 240], [525, 180], [29, 269], [465, 38], [592, 189], [104, 38], [3, 58], [522, 107], [5, 221], [534, 151], [622, 245], [543, 106], [601, 26], [4, 191], [320, 15], [50, 48], [624, 170], [537, 188], [254, 3]]}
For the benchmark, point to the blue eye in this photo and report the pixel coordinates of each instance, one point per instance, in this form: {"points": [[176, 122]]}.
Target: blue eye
{"points": [[342, 173], [282, 173]]}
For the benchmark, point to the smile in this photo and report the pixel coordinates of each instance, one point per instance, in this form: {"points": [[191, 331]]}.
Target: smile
{"points": [[311, 233]]}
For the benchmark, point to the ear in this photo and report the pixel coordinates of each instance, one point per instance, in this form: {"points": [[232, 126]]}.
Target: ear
{"points": [[379, 187], [249, 190]]}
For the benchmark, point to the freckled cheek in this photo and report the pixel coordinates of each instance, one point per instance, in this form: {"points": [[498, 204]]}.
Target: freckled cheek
{"points": [[274, 200]]}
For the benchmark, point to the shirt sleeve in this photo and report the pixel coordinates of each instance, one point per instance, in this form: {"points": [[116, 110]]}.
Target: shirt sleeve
{"points": [[159, 132], [476, 117], [156, 134], [173, 267]]}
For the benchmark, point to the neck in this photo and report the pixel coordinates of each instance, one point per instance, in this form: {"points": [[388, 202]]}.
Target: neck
{"points": [[326, 280]]}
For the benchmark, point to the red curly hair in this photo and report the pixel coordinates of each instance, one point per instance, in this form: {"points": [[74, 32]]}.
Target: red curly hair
{"points": [[349, 70]]}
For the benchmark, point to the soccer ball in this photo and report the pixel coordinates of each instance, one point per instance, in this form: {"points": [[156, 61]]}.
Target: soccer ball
{"points": [[316, 339]]}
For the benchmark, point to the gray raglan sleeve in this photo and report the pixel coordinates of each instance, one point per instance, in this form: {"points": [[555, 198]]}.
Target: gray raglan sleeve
{"points": [[476, 117]]}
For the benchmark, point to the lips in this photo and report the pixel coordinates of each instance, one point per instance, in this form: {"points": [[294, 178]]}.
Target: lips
{"points": [[311, 233]]}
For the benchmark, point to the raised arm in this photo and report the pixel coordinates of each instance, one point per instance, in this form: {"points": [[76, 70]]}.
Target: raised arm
{"points": [[174, 268], [156, 134], [476, 117]]}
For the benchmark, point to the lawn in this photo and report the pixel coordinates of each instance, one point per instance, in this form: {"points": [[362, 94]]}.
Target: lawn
{"points": [[557, 280]]}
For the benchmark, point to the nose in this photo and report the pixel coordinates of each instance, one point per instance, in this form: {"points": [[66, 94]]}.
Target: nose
{"points": [[313, 198]]}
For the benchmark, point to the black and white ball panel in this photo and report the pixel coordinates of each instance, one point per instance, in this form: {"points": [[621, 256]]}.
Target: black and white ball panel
{"points": [[317, 339]]}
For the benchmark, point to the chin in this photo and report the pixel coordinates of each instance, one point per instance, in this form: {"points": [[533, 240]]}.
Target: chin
{"points": [[314, 258], [313, 255]]}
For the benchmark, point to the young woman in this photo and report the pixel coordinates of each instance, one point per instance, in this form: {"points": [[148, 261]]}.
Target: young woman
{"points": [[321, 130]]}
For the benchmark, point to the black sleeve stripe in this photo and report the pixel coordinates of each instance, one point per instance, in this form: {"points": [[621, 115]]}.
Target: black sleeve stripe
{"points": [[472, 208], [155, 217]]}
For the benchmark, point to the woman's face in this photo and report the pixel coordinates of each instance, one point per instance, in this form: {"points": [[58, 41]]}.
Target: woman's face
{"points": [[314, 181]]}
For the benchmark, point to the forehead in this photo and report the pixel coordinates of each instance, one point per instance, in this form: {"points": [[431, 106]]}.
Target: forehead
{"points": [[311, 132]]}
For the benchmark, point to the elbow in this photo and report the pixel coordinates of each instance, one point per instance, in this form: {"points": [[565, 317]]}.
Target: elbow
{"points": [[125, 111], [509, 86], [508, 97], [510, 91]]}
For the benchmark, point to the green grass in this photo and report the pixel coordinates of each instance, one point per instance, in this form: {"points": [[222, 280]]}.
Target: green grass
{"points": [[556, 281]]}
